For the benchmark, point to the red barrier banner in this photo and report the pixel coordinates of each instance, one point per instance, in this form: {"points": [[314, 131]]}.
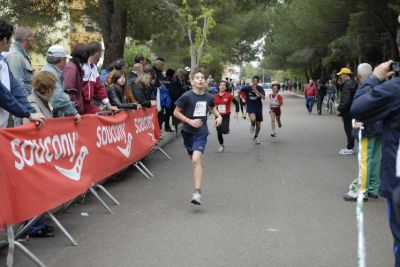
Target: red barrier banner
{"points": [[46, 167]]}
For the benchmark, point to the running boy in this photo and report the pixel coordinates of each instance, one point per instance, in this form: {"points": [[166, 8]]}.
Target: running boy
{"points": [[276, 101], [254, 94], [223, 102], [191, 108]]}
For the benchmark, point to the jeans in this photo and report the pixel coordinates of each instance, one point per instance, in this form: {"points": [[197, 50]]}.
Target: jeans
{"points": [[310, 103], [39, 225]]}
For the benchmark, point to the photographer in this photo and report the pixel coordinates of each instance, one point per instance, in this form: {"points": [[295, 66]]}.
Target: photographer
{"points": [[377, 99]]}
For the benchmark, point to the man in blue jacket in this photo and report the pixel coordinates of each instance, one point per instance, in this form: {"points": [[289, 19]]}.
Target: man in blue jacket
{"points": [[377, 99], [12, 99]]}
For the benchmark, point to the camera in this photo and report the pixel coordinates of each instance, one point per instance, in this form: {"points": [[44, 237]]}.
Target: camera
{"points": [[396, 67]]}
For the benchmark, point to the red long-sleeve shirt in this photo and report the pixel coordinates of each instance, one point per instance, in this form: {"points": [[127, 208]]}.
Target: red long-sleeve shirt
{"points": [[310, 90]]}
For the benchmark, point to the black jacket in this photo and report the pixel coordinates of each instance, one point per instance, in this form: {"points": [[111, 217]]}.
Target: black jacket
{"points": [[117, 97], [178, 88], [131, 78], [143, 96], [346, 99]]}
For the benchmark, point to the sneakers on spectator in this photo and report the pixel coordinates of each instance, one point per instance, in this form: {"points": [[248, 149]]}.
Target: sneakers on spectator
{"points": [[221, 149], [346, 151], [43, 233], [351, 196], [196, 198], [252, 129]]}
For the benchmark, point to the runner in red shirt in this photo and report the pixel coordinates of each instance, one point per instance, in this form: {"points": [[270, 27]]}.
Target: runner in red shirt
{"points": [[223, 102], [276, 101]]}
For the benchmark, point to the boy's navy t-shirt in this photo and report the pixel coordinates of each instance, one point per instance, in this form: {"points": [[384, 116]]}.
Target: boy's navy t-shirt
{"points": [[254, 103], [195, 107]]}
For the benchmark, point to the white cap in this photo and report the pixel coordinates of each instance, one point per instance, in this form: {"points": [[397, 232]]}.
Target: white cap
{"points": [[187, 68], [57, 51]]}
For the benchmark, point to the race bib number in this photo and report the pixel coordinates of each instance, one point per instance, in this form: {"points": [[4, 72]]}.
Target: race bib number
{"points": [[398, 162], [222, 108], [201, 109]]}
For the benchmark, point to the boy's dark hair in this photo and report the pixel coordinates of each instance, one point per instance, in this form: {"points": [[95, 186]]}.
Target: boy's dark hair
{"points": [[94, 47], [170, 73], [138, 58], [277, 85], [256, 77], [6, 30], [161, 59], [195, 71], [117, 64], [223, 81]]}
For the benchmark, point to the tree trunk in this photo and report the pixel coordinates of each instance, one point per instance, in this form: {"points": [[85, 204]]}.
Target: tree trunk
{"points": [[113, 24]]}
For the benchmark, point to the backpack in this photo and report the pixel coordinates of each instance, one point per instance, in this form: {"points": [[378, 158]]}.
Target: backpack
{"points": [[165, 99]]}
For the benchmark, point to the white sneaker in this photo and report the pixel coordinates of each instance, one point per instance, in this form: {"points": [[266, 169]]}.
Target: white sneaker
{"points": [[346, 151], [196, 198], [273, 134], [252, 129], [221, 149], [256, 141]]}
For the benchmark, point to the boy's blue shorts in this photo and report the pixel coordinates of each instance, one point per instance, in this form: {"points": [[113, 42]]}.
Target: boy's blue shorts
{"points": [[194, 142]]}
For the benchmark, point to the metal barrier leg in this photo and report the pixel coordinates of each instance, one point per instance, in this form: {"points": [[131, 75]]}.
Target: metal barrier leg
{"points": [[108, 194], [163, 151], [66, 206], [61, 227], [141, 170], [144, 167], [21, 231], [30, 255], [100, 200]]}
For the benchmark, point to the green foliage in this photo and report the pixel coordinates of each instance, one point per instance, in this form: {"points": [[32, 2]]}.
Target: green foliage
{"points": [[317, 37], [43, 16], [134, 48]]}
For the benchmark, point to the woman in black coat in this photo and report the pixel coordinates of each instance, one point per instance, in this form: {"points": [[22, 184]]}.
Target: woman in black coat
{"points": [[116, 92]]}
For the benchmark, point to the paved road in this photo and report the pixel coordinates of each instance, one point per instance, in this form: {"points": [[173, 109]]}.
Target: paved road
{"points": [[275, 204]]}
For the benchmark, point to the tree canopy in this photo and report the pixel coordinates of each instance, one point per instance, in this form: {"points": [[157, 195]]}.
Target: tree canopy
{"points": [[320, 36]]}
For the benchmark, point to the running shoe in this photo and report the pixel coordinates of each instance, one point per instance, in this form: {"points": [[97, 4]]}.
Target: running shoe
{"points": [[279, 123], [273, 134], [196, 198], [256, 141], [221, 149]]}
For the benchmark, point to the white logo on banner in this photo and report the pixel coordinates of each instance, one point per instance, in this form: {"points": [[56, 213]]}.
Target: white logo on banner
{"points": [[45, 150], [398, 161], [201, 109], [126, 151], [144, 124], [75, 172]]}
